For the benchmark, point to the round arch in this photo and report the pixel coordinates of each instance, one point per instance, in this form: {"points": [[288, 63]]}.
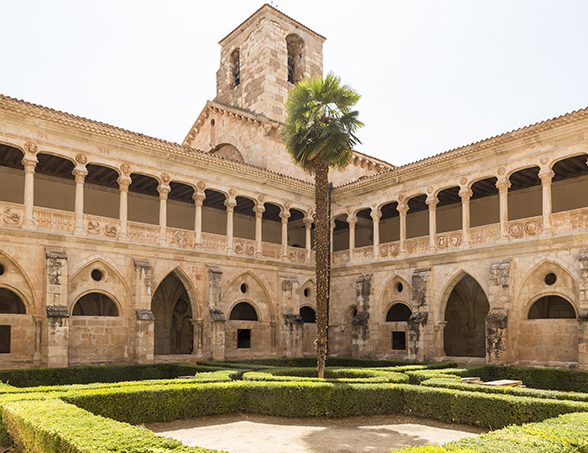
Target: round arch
{"points": [[11, 303], [552, 307], [243, 311], [95, 303], [398, 311]]}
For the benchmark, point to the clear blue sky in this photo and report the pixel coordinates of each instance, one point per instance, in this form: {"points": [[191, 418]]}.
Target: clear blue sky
{"points": [[434, 74]]}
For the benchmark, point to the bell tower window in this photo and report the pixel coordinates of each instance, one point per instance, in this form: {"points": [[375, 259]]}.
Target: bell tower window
{"points": [[236, 67], [295, 47]]}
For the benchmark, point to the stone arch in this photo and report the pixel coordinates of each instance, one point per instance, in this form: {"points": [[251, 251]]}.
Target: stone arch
{"points": [[256, 293], [347, 330], [173, 304], [296, 51], [84, 280], [466, 308], [243, 311], [533, 286], [16, 280], [552, 306], [236, 67], [530, 334], [396, 288], [11, 303], [398, 311], [96, 303], [249, 338], [228, 151]]}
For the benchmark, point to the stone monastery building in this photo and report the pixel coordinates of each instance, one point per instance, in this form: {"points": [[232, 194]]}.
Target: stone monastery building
{"points": [[120, 248]]}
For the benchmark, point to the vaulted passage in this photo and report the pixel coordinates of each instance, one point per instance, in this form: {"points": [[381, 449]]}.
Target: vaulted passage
{"points": [[465, 314], [174, 332]]}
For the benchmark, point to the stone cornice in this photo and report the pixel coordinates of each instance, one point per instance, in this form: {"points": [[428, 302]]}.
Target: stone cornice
{"points": [[155, 145], [489, 146]]}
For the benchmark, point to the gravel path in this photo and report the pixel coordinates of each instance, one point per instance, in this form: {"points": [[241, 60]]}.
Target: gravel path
{"points": [[248, 433]]}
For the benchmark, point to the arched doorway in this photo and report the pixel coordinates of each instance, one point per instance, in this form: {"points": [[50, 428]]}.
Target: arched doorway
{"points": [[465, 314], [174, 332], [243, 311]]}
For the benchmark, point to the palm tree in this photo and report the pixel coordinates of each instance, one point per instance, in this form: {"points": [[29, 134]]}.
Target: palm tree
{"points": [[319, 133]]}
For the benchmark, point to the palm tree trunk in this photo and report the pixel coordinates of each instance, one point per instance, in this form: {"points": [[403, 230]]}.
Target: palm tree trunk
{"points": [[322, 249]]}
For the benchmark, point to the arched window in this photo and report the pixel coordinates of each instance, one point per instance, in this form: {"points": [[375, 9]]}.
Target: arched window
{"points": [[95, 304], [236, 67], [308, 315], [398, 312], [243, 312], [10, 303], [295, 47], [552, 307]]}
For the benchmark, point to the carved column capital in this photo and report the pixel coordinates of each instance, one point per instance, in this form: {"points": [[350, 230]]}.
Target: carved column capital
{"points": [[503, 185], [376, 214], [465, 194], [123, 183], [198, 198], [164, 190], [432, 201], [80, 173]]}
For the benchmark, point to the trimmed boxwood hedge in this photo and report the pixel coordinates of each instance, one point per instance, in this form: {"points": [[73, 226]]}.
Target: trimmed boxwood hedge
{"points": [[269, 391], [341, 375], [33, 377], [506, 390], [566, 433], [54, 426]]}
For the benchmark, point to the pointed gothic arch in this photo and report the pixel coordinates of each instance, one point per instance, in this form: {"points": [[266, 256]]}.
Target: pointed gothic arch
{"points": [[466, 309], [172, 309]]}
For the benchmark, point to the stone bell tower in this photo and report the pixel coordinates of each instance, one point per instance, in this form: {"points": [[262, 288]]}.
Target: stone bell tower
{"points": [[261, 60]]}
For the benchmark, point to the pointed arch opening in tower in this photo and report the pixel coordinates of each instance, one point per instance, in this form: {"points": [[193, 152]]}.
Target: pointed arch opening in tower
{"points": [[174, 332], [465, 314], [236, 67], [295, 47]]}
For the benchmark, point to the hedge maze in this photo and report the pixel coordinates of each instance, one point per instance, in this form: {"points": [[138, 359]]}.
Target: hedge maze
{"points": [[92, 409]]}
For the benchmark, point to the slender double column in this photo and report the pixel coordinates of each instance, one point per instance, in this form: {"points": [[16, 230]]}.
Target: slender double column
{"points": [[230, 204], [376, 216], [285, 215], [123, 208], [164, 190], [465, 195], [402, 210], [80, 172], [546, 175], [432, 203], [308, 221], [351, 221], [198, 198], [259, 209], [503, 184], [29, 162]]}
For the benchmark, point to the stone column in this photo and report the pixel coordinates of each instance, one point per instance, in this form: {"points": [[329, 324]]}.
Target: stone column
{"points": [[503, 184], [29, 162], [376, 215], [57, 333], [351, 221], [230, 203], [198, 200], [80, 174], [402, 210], [285, 215], [164, 190], [465, 195], [123, 209], [259, 209], [308, 221], [546, 175], [432, 203]]}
